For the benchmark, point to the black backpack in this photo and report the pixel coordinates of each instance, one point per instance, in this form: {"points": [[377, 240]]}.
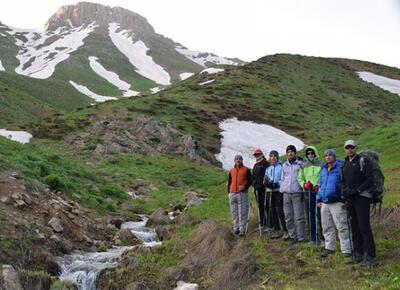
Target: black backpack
{"points": [[377, 188]]}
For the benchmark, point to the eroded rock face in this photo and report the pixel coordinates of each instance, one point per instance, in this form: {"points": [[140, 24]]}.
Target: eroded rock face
{"points": [[9, 278], [85, 13], [144, 135]]}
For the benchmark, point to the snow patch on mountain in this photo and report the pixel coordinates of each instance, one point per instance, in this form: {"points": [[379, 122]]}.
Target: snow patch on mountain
{"points": [[137, 55], [111, 77], [1, 66], [385, 83], [185, 75], [243, 137], [155, 90], [84, 90], [18, 136], [40, 51], [212, 70], [206, 82], [202, 58]]}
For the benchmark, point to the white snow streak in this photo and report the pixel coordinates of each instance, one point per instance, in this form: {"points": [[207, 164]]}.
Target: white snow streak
{"points": [[156, 90], [1, 66], [212, 70], [18, 136], [186, 286], [137, 55], [385, 83], [111, 77], [84, 90], [38, 59], [242, 137], [202, 58], [206, 82], [185, 75]]}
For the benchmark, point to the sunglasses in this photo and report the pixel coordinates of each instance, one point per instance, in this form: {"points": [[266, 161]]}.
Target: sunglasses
{"points": [[310, 153], [349, 147]]}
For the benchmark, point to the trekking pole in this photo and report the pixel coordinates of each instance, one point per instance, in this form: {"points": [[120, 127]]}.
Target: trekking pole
{"points": [[350, 236], [316, 224], [270, 207], [259, 215], [309, 215]]}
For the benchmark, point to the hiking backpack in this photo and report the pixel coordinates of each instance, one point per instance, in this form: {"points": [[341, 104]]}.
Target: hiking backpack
{"points": [[377, 187]]}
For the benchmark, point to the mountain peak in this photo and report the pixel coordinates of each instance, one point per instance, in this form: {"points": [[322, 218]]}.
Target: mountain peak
{"points": [[86, 12]]}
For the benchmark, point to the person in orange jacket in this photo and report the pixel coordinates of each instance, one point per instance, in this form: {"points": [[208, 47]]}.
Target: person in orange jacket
{"points": [[239, 181]]}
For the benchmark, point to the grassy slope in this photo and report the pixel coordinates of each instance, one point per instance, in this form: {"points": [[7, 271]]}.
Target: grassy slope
{"points": [[293, 93]]}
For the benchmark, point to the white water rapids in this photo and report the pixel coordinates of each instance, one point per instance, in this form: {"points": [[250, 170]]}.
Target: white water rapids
{"points": [[83, 268]]}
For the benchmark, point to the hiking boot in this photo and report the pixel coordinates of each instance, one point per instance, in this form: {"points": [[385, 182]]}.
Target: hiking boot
{"points": [[292, 241], [242, 235], [367, 262], [325, 253], [236, 232], [275, 235], [355, 259], [285, 237]]}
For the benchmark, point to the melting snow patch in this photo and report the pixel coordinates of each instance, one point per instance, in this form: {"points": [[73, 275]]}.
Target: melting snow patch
{"points": [[385, 83], [155, 90], [185, 75], [206, 82], [186, 286], [111, 77], [18, 136], [202, 58], [84, 90], [212, 70], [137, 55], [243, 137], [1, 66], [38, 58]]}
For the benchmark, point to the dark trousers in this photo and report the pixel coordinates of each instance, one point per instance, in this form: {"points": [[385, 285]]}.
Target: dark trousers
{"points": [[263, 206], [363, 240], [311, 220], [277, 215]]}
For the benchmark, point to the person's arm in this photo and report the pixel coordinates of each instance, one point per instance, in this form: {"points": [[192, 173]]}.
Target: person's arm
{"points": [[301, 179], [367, 171], [229, 181]]}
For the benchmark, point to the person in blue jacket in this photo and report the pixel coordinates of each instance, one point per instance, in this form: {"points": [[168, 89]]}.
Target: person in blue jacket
{"points": [[272, 182], [333, 210]]}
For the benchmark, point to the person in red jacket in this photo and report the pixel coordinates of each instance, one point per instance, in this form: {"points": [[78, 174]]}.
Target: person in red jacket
{"points": [[239, 181]]}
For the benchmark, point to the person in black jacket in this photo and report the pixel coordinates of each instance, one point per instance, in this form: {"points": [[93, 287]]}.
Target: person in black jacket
{"points": [[357, 182], [259, 189]]}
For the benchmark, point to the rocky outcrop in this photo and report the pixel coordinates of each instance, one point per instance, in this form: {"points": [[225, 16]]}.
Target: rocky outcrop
{"points": [[159, 217], [9, 279], [143, 135]]}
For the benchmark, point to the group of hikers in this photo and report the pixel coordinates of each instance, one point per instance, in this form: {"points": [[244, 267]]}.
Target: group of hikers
{"points": [[332, 195]]}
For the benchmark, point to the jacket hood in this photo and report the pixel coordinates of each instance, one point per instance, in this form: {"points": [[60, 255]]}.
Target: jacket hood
{"points": [[315, 150]]}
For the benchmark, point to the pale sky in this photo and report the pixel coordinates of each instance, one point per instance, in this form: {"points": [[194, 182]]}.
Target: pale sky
{"points": [[359, 29]]}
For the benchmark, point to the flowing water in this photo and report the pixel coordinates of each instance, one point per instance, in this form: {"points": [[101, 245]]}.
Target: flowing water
{"points": [[83, 268]]}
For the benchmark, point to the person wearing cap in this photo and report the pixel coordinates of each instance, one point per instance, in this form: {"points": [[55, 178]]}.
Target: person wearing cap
{"points": [[357, 182], [259, 189], [308, 178], [240, 179], [293, 196], [272, 180], [333, 209]]}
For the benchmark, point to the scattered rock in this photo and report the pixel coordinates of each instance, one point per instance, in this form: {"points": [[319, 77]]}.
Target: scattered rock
{"points": [[193, 203], [5, 199], [56, 224], [19, 203], [175, 273], [10, 278]]}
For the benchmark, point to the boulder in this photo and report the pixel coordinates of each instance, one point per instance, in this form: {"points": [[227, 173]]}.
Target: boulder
{"points": [[9, 278], [158, 218], [56, 224], [125, 237]]}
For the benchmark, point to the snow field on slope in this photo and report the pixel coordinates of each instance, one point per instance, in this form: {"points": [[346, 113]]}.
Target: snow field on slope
{"points": [[243, 137], [137, 55], [38, 59], [111, 77], [206, 82], [1, 66], [18, 136], [84, 90], [202, 58], [385, 83]]}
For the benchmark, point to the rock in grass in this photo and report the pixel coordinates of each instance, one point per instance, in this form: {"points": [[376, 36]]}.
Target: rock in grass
{"points": [[56, 224]]}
